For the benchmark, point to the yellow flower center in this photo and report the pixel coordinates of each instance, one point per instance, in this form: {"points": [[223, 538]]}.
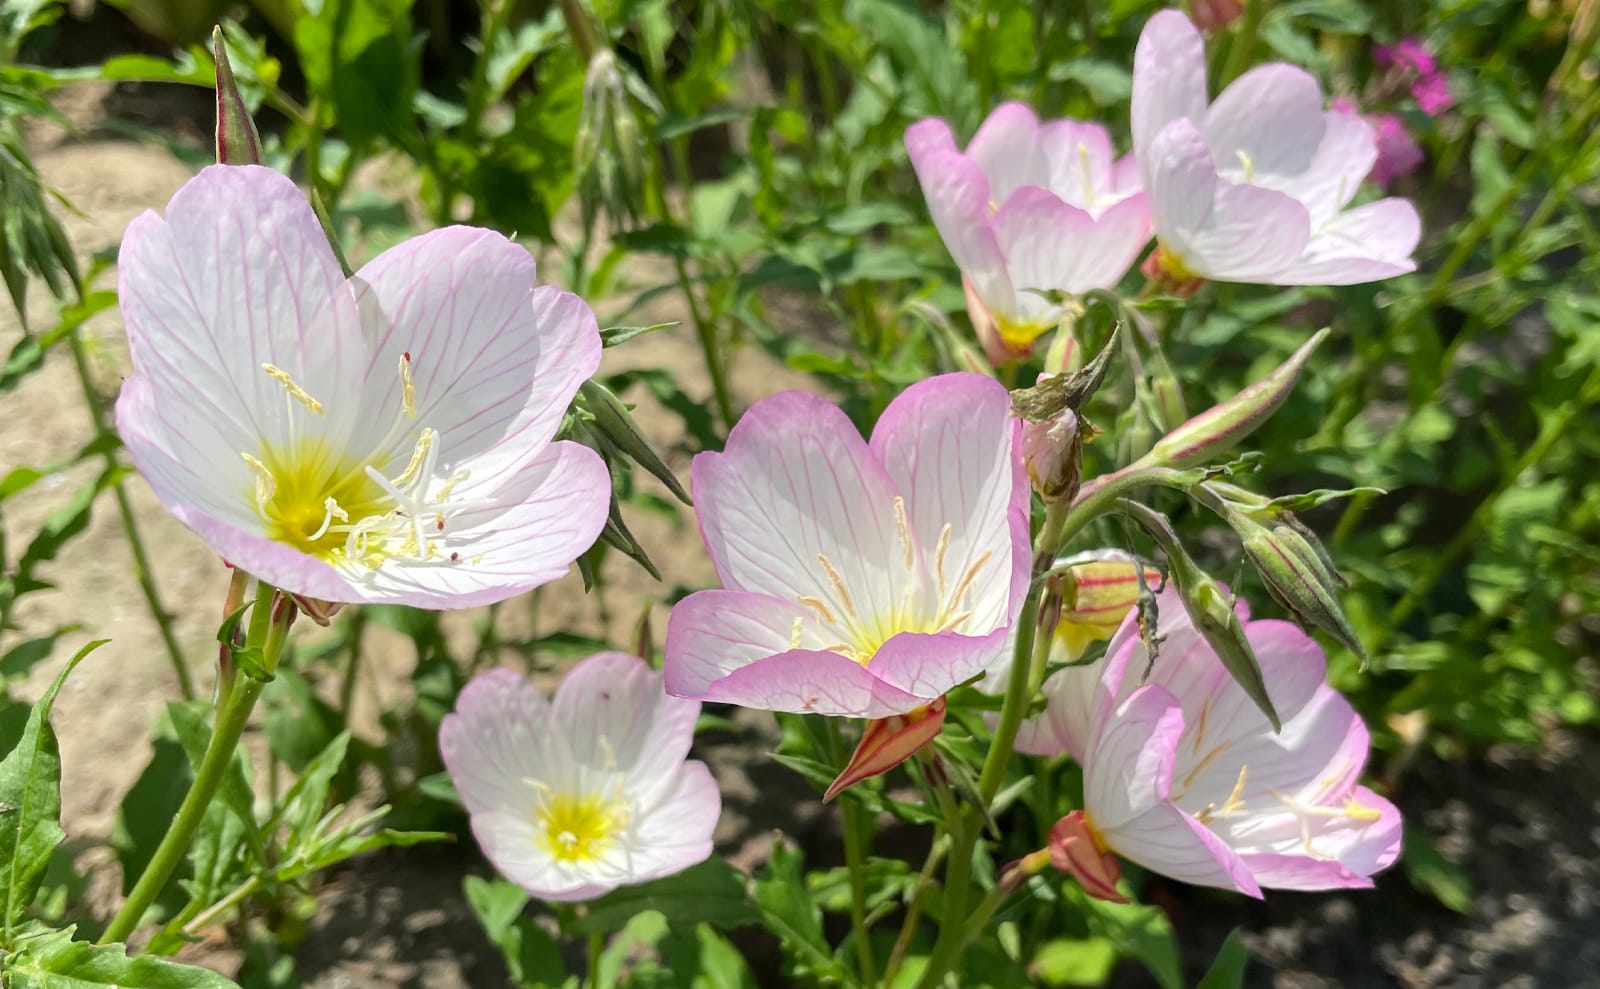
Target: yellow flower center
{"points": [[344, 508], [1020, 336], [580, 827], [866, 629]]}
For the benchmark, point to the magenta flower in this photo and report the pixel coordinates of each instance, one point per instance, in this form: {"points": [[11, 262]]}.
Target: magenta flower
{"points": [[1029, 207], [1253, 187], [1409, 53], [1432, 93], [385, 438], [571, 799], [860, 579], [1398, 153], [1184, 775]]}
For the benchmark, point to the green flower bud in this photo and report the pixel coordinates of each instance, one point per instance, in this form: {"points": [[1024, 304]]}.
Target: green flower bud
{"points": [[1297, 575], [1219, 429], [238, 143]]}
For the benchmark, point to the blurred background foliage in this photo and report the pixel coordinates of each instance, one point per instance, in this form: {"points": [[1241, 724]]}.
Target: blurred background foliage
{"points": [[752, 149]]}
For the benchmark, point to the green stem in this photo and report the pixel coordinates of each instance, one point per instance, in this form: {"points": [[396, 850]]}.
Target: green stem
{"points": [[357, 624], [706, 332], [908, 928], [222, 906], [143, 572], [1244, 42], [855, 864], [597, 947], [230, 725]]}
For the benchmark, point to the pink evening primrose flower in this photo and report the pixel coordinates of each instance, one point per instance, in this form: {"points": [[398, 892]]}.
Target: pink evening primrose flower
{"points": [[1253, 187], [860, 579], [1029, 207], [383, 438], [571, 799], [1184, 775]]}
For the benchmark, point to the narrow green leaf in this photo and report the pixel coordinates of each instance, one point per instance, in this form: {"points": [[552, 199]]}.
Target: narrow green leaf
{"points": [[711, 892], [1227, 971], [30, 801]]}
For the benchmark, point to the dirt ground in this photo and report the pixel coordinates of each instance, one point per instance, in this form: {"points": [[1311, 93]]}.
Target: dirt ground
{"points": [[1525, 827]]}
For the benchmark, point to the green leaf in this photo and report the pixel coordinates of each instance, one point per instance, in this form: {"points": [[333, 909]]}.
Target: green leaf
{"points": [[19, 659], [30, 801], [711, 892], [1064, 962], [52, 960], [530, 953], [340, 847], [1138, 931], [788, 911], [1434, 874], [1227, 970], [613, 335], [303, 805]]}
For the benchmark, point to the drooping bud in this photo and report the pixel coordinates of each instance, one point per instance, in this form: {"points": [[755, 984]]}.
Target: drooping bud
{"points": [[238, 142], [1052, 451], [613, 420], [1014, 874], [608, 150], [888, 742], [1076, 849], [1213, 15], [1210, 608], [1219, 429], [1297, 575], [1102, 586]]}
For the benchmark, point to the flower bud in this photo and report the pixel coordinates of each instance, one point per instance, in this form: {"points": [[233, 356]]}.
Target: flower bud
{"points": [[238, 143], [1297, 576], [1210, 608], [1052, 451], [1076, 849], [613, 421], [1220, 428], [888, 742], [1213, 15], [1104, 586]]}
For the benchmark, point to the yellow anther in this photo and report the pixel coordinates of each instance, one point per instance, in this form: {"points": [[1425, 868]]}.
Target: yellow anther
{"points": [[408, 389], [450, 485], [266, 484], [838, 585], [904, 529], [938, 557], [1360, 812], [967, 579], [297, 393], [1088, 181], [418, 454], [794, 633], [1188, 781], [817, 605], [1247, 164], [1235, 798]]}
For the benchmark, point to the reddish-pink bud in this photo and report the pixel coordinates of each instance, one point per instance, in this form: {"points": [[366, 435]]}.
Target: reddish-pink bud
{"points": [[1077, 850], [1213, 15], [888, 742]]}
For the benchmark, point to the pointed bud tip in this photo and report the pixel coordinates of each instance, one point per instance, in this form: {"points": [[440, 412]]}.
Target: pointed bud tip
{"points": [[887, 742]]}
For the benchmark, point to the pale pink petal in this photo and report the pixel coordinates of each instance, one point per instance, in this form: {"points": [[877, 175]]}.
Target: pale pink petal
{"points": [[512, 843], [495, 357], [958, 198], [1127, 776], [542, 514], [1169, 80], [1078, 155], [276, 563], [1331, 852], [950, 445], [796, 485], [1125, 179], [1168, 841], [614, 711], [1365, 244], [674, 830], [239, 274], [1128, 766], [1345, 156], [496, 740], [1051, 245], [931, 665], [1266, 125], [1216, 229], [1066, 722], [1006, 148], [190, 458], [813, 681], [712, 633]]}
